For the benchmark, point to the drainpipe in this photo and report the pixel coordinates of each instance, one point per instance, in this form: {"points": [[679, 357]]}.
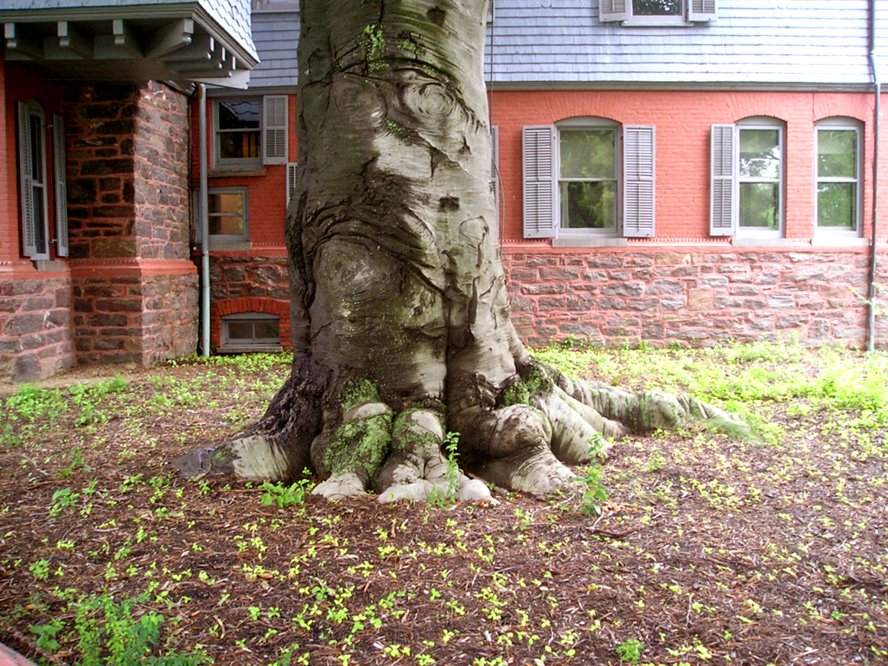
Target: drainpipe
{"points": [[203, 221], [877, 92]]}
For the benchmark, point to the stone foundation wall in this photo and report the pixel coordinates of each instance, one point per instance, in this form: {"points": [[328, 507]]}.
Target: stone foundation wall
{"points": [[135, 318], [692, 295], [36, 338], [249, 284]]}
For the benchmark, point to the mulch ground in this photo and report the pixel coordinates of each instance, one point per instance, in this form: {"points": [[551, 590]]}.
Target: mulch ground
{"points": [[708, 549]]}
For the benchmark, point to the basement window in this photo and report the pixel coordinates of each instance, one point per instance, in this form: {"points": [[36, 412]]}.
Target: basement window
{"points": [[250, 332]]}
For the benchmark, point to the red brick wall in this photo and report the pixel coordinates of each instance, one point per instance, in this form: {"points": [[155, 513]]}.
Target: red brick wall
{"points": [[683, 120]]}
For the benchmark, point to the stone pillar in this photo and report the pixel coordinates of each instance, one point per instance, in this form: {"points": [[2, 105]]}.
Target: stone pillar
{"points": [[134, 286]]}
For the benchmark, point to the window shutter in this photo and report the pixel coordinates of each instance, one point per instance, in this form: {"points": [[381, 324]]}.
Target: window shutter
{"points": [[538, 158], [638, 181], [723, 164], [613, 10], [494, 164], [26, 190], [274, 129], [61, 184], [292, 172], [702, 10]]}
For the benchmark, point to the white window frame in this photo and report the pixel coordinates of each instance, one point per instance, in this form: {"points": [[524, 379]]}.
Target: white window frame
{"points": [[249, 344], [273, 132], [246, 216], [580, 124], [848, 125], [635, 157], [271, 6], [33, 199], [622, 11], [725, 179]]}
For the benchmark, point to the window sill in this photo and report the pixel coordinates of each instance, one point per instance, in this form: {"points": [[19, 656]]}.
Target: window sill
{"points": [[248, 349], [229, 245], [233, 171], [839, 240], [765, 241], [589, 241]]}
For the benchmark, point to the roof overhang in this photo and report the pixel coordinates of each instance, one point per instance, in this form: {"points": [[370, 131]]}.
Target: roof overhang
{"points": [[177, 42]]}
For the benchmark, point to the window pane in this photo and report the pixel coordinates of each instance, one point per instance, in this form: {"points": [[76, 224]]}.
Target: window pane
{"points": [[222, 203], [238, 145], [240, 330], [588, 153], [837, 205], [588, 205], [239, 114], [226, 225], [760, 153], [656, 7], [837, 153], [759, 205], [267, 329]]}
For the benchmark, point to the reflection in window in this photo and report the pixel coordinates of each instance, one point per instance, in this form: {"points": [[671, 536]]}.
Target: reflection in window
{"points": [[227, 213], [760, 156], [588, 178], [837, 178], [238, 130], [656, 7]]}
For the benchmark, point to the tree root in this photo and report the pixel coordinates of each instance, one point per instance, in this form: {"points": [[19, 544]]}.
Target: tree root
{"points": [[522, 437]]}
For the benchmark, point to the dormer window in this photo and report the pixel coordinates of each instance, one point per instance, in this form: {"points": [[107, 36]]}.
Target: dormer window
{"points": [[656, 12]]}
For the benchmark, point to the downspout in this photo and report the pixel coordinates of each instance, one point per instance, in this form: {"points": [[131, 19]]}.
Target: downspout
{"points": [[874, 260], [203, 221]]}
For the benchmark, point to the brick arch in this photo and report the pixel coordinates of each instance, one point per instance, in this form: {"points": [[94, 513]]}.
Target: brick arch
{"points": [[231, 306]]}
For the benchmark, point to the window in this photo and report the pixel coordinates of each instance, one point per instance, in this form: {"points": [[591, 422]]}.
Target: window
{"points": [[250, 131], [250, 331], [588, 177], [657, 12], [747, 178], [227, 213], [837, 174], [33, 184], [275, 5]]}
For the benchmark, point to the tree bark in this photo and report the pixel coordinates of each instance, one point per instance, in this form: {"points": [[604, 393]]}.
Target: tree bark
{"points": [[400, 314]]}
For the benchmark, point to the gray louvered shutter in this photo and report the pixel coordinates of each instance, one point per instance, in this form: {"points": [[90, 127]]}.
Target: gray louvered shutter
{"points": [[723, 165], [638, 181], [292, 173], [613, 10], [274, 129], [702, 10], [494, 164], [60, 179], [26, 189], [538, 159]]}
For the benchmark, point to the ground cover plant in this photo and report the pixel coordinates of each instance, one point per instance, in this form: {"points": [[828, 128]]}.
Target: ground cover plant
{"points": [[689, 547]]}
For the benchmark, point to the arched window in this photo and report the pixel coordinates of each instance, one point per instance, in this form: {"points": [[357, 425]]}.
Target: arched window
{"points": [[251, 331], [747, 178]]}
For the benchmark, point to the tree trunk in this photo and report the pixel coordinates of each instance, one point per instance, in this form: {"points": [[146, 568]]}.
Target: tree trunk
{"points": [[400, 314]]}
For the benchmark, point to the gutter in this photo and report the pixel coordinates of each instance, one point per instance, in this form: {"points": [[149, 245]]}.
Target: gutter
{"points": [[874, 259], [203, 221]]}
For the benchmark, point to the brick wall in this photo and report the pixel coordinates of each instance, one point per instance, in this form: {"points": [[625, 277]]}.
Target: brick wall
{"points": [[683, 120], [691, 295], [245, 283]]}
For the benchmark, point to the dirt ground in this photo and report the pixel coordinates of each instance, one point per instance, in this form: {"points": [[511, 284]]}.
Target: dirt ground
{"points": [[708, 549]]}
